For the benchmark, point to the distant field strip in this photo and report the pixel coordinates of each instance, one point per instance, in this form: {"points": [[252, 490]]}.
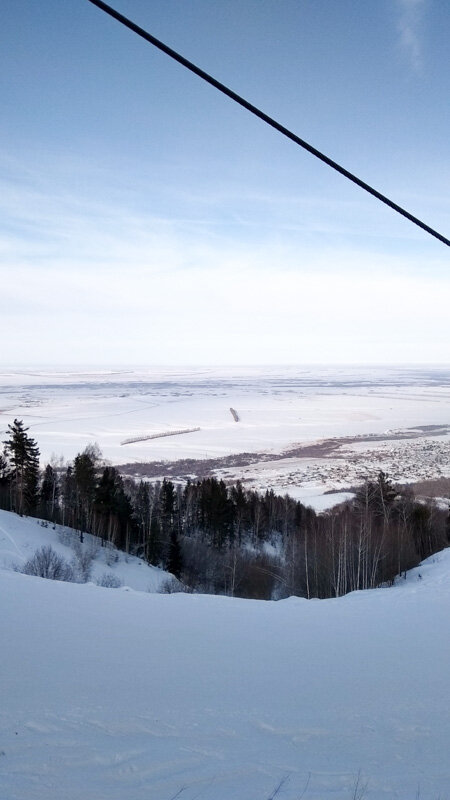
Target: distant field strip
{"points": [[147, 436]]}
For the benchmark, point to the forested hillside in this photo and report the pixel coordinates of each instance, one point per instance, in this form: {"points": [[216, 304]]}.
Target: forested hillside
{"points": [[225, 539]]}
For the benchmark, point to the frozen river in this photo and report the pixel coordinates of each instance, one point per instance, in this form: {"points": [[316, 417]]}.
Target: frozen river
{"points": [[211, 413]]}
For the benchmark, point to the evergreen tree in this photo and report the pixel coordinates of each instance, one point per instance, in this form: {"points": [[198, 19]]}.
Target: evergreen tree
{"points": [[49, 492], [85, 479], [239, 500], [175, 558], [22, 454], [215, 511], [113, 509], [68, 497], [168, 519], [167, 505], [377, 497], [4, 482], [155, 547]]}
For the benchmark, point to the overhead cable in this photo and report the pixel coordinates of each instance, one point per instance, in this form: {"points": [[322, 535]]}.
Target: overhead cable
{"points": [[265, 117]]}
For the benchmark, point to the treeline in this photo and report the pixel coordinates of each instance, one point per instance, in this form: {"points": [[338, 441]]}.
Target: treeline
{"points": [[226, 539]]}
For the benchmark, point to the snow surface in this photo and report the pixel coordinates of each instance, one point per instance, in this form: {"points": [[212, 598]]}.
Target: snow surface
{"points": [[113, 694], [20, 537], [316, 500], [277, 407]]}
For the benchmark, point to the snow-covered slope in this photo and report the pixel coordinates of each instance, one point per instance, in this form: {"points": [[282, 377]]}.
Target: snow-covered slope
{"points": [[20, 537], [125, 695]]}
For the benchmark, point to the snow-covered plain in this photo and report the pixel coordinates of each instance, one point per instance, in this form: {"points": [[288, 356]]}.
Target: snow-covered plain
{"points": [[111, 694], [278, 408]]}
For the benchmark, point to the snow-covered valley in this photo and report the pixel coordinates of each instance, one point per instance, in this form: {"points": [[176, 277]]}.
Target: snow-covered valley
{"points": [[114, 693], [301, 430]]}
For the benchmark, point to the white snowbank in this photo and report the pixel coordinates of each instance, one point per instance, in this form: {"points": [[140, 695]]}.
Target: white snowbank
{"points": [[114, 694]]}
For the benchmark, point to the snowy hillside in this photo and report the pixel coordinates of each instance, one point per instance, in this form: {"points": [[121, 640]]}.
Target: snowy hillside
{"points": [[114, 694], [20, 537]]}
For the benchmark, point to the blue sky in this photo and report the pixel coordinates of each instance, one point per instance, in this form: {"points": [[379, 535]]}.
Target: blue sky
{"points": [[145, 218]]}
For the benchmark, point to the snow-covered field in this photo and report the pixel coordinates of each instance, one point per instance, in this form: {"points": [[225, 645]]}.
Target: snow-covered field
{"points": [[109, 694], [278, 409]]}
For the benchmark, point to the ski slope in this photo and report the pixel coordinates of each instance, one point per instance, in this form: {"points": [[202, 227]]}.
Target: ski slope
{"points": [[119, 694]]}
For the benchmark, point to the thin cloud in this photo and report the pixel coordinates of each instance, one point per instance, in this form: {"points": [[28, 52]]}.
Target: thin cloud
{"points": [[410, 30]]}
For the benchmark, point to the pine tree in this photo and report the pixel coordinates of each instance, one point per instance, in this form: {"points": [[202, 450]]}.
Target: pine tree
{"points": [[175, 558], [22, 454], [167, 499], [377, 497], [85, 478], [167, 516], [113, 509], [68, 497], [48, 495], [142, 514], [4, 482]]}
